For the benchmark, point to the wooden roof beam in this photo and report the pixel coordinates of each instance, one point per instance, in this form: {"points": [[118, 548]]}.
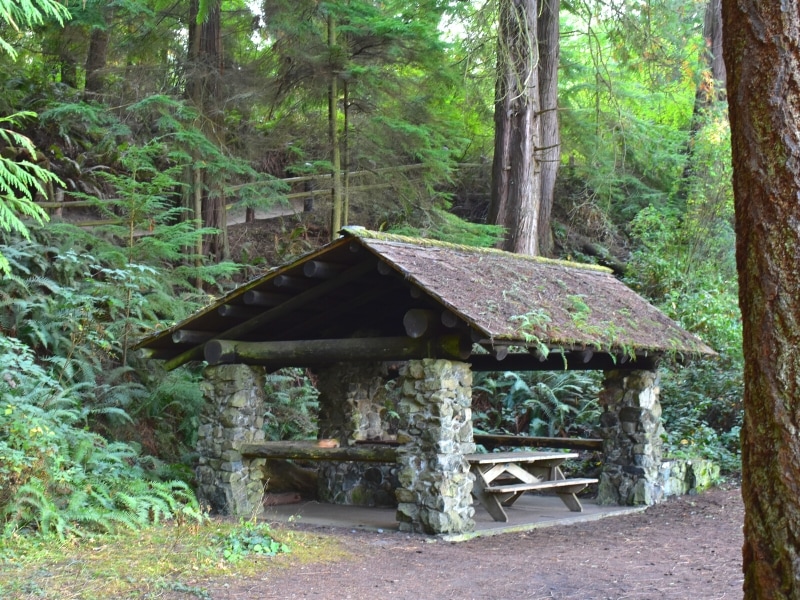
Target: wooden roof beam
{"points": [[557, 361], [303, 353], [278, 312]]}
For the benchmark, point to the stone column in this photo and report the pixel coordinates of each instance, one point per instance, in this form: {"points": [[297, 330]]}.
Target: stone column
{"points": [[233, 414], [632, 438], [435, 493], [357, 403]]}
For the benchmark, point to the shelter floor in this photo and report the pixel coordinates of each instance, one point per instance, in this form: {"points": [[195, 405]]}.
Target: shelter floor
{"points": [[529, 512]]}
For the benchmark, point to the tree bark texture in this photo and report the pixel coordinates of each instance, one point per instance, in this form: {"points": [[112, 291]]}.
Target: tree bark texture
{"points": [[762, 56], [712, 35], [205, 69], [515, 172], [96, 59], [550, 154]]}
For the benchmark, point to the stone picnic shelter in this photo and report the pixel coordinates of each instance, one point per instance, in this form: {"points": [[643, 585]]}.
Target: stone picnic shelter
{"points": [[393, 328]]}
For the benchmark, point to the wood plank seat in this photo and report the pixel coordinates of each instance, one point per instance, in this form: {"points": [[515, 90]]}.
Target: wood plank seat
{"points": [[564, 486]]}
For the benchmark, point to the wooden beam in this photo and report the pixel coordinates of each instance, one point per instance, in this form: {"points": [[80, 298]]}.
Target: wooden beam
{"points": [[310, 451], [419, 322], [316, 269], [300, 353], [384, 269], [257, 298], [449, 319], [288, 282], [153, 353], [521, 441], [556, 361], [328, 317], [235, 311], [190, 336], [278, 312]]}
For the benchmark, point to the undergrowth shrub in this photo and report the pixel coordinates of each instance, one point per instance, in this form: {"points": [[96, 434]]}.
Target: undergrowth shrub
{"points": [[684, 263], [56, 476], [291, 407], [548, 404]]}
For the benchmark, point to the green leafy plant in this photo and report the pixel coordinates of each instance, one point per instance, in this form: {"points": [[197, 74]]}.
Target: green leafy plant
{"points": [[56, 477], [549, 404], [292, 406], [248, 538]]}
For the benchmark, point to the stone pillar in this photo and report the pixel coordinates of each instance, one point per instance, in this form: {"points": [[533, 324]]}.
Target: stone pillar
{"points": [[632, 438], [233, 414], [435, 493], [357, 403]]}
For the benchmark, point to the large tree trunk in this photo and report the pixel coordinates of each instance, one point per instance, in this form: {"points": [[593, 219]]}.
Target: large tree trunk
{"points": [[205, 68], [710, 88], [337, 205], [96, 59], [550, 153], [515, 172], [762, 55], [712, 35]]}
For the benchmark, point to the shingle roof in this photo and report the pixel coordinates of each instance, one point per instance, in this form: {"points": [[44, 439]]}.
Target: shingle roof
{"points": [[365, 283]]}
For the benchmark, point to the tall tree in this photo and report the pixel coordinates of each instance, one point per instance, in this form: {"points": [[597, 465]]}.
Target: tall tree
{"points": [[762, 55], [203, 89], [516, 191], [550, 151]]}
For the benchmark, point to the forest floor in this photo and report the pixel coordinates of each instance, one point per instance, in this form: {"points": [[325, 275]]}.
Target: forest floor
{"points": [[685, 548]]}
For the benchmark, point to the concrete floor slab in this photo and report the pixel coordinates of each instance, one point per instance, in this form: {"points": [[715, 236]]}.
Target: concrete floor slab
{"points": [[529, 512]]}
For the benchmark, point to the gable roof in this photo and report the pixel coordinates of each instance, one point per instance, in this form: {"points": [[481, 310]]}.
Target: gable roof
{"points": [[374, 285]]}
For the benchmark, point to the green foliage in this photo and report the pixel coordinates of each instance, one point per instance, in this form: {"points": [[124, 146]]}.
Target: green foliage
{"points": [[291, 406], [250, 538], [549, 404], [684, 261], [20, 181], [702, 411], [438, 224], [533, 326], [58, 478], [27, 14]]}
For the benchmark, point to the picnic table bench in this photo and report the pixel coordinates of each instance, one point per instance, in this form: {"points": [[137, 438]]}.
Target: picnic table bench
{"points": [[502, 477]]}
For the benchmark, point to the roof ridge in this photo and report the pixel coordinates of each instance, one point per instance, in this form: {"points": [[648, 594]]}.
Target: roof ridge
{"points": [[360, 232]]}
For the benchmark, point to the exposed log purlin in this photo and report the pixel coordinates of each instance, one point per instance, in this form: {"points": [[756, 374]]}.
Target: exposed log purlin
{"points": [[316, 322], [190, 336], [289, 282], [556, 361], [316, 269], [419, 322], [278, 312], [235, 311], [258, 298]]}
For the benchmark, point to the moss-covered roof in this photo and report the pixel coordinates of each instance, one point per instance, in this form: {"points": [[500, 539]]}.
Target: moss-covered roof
{"points": [[370, 281]]}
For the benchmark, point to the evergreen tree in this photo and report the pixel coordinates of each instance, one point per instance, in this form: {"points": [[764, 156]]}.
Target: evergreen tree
{"points": [[762, 51]]}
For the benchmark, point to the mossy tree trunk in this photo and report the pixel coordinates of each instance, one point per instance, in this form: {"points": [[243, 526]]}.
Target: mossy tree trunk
{"points": [[516, 192], [203, 88], [550, 152], [762, 56]]}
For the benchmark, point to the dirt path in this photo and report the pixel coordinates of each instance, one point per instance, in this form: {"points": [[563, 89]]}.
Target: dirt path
{"points": [[687, 548]]}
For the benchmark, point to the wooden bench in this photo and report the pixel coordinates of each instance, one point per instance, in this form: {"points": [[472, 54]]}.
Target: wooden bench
{"points": [[502, 477]]}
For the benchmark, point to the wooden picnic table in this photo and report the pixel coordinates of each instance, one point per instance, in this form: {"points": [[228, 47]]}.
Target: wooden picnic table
{"points": [[502, 477]]}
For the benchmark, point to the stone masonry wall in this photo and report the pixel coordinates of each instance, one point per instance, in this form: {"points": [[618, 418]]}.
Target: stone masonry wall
{"points": [[357, 403], [233, 414], [632, 438], [436, 425]]}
